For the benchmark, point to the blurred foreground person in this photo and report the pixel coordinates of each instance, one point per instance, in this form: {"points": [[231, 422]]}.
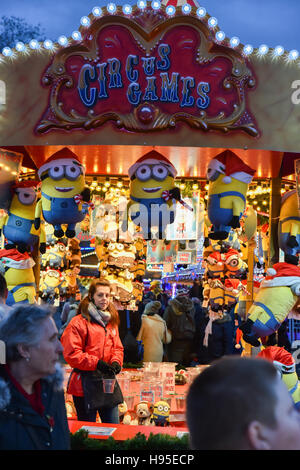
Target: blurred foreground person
{"points": [[32, 406], [241, 404]]}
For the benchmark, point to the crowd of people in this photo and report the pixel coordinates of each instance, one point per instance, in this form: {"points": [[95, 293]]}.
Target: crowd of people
{"points": [[242, 402]]}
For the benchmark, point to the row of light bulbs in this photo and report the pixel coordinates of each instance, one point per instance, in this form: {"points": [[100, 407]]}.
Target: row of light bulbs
{"points": [[186, 9], [7, 169]]}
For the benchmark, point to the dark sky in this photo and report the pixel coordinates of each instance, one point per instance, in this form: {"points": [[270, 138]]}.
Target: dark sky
{"points": [[271, 22]]}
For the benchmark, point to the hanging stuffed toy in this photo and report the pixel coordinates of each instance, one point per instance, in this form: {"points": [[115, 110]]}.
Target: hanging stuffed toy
{"points": [[228, 178], [285, 364], [289, 227], [50, 284], [63, 193], [17, 270], [215, 265], [152, 194], [18, 225], [235, 267], [276, 297]]}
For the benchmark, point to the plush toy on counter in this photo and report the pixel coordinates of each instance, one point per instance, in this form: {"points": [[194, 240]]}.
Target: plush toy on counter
{"points": [[289, 227], [161, 413], [276, 297], [17, 269], [63, 193], [181, 377], [152, 194], [18, 224], [285, 364], [124, 415], [143, 412], [228, 178]]}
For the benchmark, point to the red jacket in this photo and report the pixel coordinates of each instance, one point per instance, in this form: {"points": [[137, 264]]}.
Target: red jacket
{"points": [[84, 344]]}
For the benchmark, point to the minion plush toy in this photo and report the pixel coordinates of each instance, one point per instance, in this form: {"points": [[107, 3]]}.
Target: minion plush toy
{"points": [[285, 364], [63, 193], [228, 178], [289, 227], [161, 413], [152, 194], [19, 276], [18, 225], [276, 297]]}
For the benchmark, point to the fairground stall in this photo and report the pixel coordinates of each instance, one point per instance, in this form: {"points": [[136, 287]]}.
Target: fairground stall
{"points": [[177, 147]]}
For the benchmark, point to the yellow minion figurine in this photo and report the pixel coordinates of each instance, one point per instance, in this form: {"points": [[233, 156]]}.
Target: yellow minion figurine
{"points": [[285, 364], [18, 224], [161, 413], [19, 276], [289, 227], [63, 193], [228, 178], [152, 191], [276, 297]]}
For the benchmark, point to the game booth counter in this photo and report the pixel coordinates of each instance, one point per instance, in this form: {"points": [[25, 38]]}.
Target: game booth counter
{"points": [[148, 146]]}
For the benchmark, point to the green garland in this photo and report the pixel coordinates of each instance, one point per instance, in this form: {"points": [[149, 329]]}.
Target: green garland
{"points": [[81, 441]]}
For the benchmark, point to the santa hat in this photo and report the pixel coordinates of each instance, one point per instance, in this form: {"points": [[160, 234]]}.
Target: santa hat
{"points": [[231, 254], [63, 157], [25, 184], [233, 284], [283, 274], [282, 359], [152, 158], [230, 165], [215, 258], [14, 259]]}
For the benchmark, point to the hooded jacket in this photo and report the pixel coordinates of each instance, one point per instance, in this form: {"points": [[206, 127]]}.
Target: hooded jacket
{"points": [[85, 342], [153, 334], [179, 316], [22, 428]]}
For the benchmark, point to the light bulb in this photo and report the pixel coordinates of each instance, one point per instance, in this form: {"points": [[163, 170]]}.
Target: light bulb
{"points": [[248, 49], [212, 22], [170, 10], [85, 21], [234, 42], [63, 40], [7, 52], [20, 46], [220, 35], [201, 12], [97, 11]]}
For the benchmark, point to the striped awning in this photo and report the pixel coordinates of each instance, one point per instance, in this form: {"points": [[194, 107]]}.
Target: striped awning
{"points": [[180, 3]]}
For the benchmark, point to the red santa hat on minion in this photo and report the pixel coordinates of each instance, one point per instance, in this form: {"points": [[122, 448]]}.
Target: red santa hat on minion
{"points": [[14, 259], [231, 254], [152, 158], [283, 274], [282, 359], [230, 165], [62, 157], [215, 258]]}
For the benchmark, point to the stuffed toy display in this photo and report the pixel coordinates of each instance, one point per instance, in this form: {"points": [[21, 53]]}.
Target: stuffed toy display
{"points": [[55, 256], [161, 413], [276, 297], [289, 227], [153, 194], [63, 193], [124, 415], [17, 269], [228, 178], [285, 364], [18, 224], [51, 282], [143, 413]]}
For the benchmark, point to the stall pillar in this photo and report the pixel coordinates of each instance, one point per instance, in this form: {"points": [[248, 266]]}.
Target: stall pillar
{"points": [[275, 204], [247, 348]]}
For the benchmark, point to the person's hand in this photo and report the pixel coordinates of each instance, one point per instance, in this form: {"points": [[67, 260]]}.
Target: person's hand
{"points": [[104, 367], [116, 367]]}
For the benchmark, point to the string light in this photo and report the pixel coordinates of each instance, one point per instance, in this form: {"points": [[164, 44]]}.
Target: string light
{"points": [[234, 41], [201, 12], [170, 10], [97, 11]]}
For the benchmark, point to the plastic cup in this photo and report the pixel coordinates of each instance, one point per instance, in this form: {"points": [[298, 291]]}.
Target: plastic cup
{"points": [[129, 400], [109, 385], [180, 403]]}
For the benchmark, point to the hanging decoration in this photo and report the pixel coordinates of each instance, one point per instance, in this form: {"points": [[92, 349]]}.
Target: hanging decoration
{"points": [[228, 178]]}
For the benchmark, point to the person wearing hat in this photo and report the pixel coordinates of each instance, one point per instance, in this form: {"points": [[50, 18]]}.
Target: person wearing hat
{"points": [[18, 224], [63, 192], [153, 333], [228, 178], [180, 319], [152, 191]]}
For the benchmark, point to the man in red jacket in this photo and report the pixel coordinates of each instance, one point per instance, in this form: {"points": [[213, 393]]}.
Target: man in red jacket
{"points": [[93, 348]]}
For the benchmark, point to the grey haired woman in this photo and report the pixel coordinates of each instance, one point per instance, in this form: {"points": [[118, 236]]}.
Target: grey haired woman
{"points": [[32, 406]]}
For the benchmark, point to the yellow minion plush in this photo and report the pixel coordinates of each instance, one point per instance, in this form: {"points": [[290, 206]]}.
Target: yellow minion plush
{"points": [[276, 297], [50, 284], [152, 193], [289, 227], [19, 276], [215, 265], [18, 224], [63, 193], [228, 178], [161, 413], [235, 267], [285, 364]]}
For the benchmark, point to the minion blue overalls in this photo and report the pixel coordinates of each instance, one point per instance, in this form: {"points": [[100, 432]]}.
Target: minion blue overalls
{"points": [[147, 203], [222, 216], [10, 298], [18, 229], [64, 209]]}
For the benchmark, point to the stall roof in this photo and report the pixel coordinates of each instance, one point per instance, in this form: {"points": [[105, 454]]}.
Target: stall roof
{"points": [[116, 159]]}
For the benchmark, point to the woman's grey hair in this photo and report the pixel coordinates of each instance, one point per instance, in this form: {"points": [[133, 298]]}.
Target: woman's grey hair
{"points": [[22, 326]]}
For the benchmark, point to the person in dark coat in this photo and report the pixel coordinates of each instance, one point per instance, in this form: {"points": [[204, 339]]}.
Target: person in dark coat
{"points": [[32, 407]]}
